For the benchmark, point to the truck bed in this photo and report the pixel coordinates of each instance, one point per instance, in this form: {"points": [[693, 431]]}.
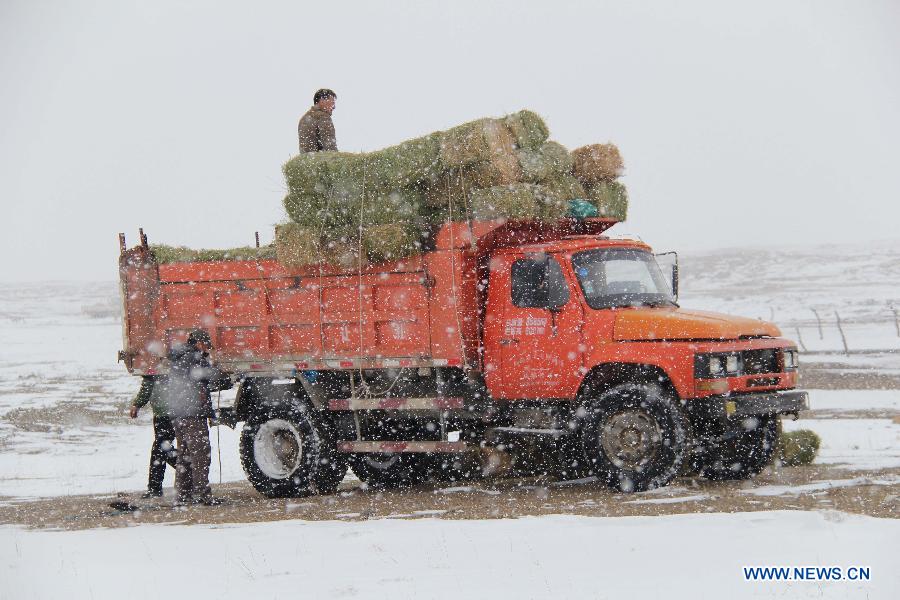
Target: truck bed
{"points": [[266, 318]]}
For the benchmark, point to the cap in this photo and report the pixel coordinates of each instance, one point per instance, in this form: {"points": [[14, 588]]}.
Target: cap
{"points": [[199, 335]]}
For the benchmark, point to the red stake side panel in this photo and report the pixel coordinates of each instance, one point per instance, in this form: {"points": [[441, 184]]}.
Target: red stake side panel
{"points": [[264, 318]]}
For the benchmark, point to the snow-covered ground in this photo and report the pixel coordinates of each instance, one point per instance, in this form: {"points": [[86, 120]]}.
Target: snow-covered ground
{"points": [[682, 556]]}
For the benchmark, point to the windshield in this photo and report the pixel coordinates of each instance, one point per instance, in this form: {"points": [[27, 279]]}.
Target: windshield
{"points": [[619, 277]]}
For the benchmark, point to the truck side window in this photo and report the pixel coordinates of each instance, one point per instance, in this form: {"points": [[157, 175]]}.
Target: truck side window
{"points": [[538, 284]]}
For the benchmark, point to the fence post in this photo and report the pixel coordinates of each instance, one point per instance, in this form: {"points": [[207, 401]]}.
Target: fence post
{"points": [[819, 321], [896, 320], [800, 339], [841, 329]]}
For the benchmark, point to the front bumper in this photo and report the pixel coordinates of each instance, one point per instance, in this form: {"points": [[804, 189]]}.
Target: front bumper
{"points": [[746, 405]]}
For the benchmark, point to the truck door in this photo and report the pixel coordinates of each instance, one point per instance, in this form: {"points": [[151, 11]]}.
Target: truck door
{"points": [[538, 337]]}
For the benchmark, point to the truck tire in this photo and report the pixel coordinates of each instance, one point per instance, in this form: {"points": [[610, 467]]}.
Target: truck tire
{"points": [[635, 437], [743, 454], [448, 468], [285, 453], [383, 471]]}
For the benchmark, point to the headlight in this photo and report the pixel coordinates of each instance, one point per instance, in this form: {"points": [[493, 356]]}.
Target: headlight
{"points": [[791, 359], [715, 366], [731, 363]]}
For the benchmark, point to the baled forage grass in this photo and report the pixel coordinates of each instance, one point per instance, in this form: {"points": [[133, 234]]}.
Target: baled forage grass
{"points": [[596, 163], [296, 245], [546, 162], [528, 129], [610, 198]]}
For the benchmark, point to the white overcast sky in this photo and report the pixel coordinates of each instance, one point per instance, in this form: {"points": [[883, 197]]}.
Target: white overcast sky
{"points": [[741, 123]]}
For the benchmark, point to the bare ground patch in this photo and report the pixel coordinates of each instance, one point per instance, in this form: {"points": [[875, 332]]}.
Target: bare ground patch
{"points": [[816, 487], [837, 376]]}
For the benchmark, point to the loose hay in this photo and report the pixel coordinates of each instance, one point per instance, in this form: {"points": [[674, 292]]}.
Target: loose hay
{"points": [[181, 254], [596, 163], [800, 447]]}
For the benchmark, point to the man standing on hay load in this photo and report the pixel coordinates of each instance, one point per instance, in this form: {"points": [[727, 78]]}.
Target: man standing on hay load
{"points": [[316, 129]]}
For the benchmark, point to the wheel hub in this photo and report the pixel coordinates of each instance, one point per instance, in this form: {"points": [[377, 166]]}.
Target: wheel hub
{"points": [[277, 448], [630, 438]]}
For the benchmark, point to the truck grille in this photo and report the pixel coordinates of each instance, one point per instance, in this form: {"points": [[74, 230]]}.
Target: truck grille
{"points": [[760, 361]]}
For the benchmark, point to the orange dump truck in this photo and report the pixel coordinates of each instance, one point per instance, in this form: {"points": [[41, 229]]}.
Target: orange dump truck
{"points": [[523, 346]]}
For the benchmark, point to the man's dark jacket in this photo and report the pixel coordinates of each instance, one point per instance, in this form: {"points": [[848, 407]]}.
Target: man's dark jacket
{"points": [[316, 131], [191, 378]]}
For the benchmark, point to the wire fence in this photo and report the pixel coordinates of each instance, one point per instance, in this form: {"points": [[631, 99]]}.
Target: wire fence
{"points": [[872, 333]]}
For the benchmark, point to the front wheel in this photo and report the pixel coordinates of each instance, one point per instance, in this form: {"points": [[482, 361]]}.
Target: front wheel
{"points": [[285, 453], [742, 452], [635, 437]]}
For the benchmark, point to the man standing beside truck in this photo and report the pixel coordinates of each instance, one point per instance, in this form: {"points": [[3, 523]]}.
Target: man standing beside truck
{"points": [[190, 380], [316, 129], [163, 450]]}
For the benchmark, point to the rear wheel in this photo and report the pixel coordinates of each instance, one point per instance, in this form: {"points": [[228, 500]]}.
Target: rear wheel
{"points": [[635, 437], [285, 453], [742, 452]]}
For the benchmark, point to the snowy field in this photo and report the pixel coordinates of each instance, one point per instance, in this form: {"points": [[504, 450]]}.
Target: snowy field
{"points": [[64, 431], [684, 556]]}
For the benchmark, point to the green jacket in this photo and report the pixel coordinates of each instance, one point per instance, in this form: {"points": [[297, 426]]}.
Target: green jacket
{"points": [[152, 391]]}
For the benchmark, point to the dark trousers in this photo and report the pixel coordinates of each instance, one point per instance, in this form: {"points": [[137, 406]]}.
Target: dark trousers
{"points": [[162, 453], [192, 472]]}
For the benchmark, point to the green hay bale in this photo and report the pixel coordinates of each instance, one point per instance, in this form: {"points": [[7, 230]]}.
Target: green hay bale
{"points": [[344, 253], [528, 129], [454, 185], [796, 448], [296, 245], [610, 198], [403, 165], [555, 194], [332, 211], [502, 170], [484, 140], [306, 209], [596, 163], [546, 162], [180, 254], [390, 241], [514, 201], [403, 205]]}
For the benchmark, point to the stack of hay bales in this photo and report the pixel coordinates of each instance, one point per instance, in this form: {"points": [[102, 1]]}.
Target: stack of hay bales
{"points": [[347, 209]]}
